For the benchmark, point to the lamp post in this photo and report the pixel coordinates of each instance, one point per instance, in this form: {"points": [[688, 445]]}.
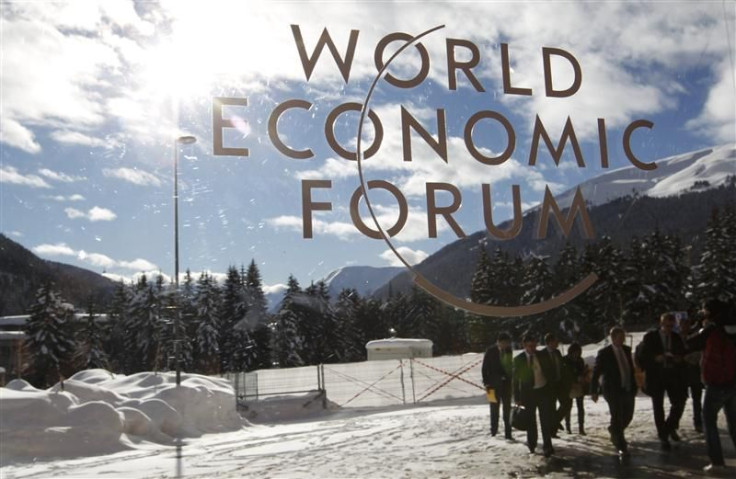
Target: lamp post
{"points": [[182, 140]]}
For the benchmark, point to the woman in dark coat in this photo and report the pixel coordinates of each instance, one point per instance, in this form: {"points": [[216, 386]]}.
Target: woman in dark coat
{"points": [[578, 371]]}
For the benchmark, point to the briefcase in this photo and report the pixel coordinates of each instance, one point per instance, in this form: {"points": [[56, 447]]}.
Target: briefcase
{"points": [[520, 418]]}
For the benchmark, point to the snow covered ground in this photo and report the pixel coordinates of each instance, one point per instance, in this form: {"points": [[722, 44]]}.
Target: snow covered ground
{"points": [[104, 426], [442, 440]]}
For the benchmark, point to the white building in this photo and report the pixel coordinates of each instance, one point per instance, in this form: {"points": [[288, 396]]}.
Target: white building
{"points": [[398, 348]]}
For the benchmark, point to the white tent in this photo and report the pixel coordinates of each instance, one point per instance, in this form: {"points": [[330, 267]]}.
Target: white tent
{"points": [[399, 348]]}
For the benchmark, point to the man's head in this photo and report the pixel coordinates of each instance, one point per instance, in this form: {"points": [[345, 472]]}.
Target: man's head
{"points": [[618, 335], [685, 324], [530, 343], [551, 341], [715, 310], [667, 322], [575, 350], [503, 341]]}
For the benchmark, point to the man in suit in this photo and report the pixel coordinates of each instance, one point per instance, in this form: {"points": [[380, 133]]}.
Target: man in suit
{"points": [[554, 370], [531, 392], [662, 357], [497, 371], [615, 369]]}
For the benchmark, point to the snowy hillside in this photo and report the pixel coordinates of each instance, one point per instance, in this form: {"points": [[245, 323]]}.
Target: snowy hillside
{"points": [[702, 169], [364, 279]]}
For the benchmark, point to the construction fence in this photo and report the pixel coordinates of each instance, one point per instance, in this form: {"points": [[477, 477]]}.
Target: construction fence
{"points": [[369, 383]]}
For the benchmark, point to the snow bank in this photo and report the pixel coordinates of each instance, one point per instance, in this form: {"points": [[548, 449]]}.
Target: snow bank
{"points": [[97, 412]]}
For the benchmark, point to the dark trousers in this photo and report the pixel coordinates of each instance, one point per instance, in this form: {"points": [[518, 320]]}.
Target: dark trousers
{"points": [[715, 399], [567, 410], [621, 408], [543, 401], [672, 385], [696, 394], [503, 403]]}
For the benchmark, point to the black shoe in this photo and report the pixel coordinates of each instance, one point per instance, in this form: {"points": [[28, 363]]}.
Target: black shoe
{"points": [[582, 432], [560, 428], [509, 437], [665, 445], [548, 451], [674, 436], [699, 428], [531, 450]]}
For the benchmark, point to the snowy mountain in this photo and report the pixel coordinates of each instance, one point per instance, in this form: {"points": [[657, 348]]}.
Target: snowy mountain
{"points": [[364, 279], [677, 197], [697, 170]]}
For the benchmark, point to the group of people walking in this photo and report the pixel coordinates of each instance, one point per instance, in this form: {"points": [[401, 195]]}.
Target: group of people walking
{"points": [[545, 383]]}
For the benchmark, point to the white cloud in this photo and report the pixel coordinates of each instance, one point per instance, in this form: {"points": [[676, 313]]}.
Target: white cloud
{"points": [[94, 214], [83, 63], [62, 198], [138, 264], [94, 259], [61, 177], [132, 175], [73, 213], [59, 249], [719, 115], [411, 256], [100, 214], [17, 234], [18, 136], [9, 174], [342, 230], [78, 138]]}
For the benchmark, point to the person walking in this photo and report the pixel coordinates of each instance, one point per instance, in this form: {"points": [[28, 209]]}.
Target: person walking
{"points": [[717, 340], [577, 371], [662, 357], [553, 367], [693, 382], [497, 372], [531, 391], [613, 375]]}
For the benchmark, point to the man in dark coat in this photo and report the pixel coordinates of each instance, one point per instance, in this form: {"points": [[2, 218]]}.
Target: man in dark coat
{"points": [[531, 392], [662, 357], [614, 368], [558, 383], [497, 371]]}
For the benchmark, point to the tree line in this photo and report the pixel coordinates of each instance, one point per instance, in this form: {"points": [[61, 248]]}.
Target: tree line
{"points": [[227, 327]]}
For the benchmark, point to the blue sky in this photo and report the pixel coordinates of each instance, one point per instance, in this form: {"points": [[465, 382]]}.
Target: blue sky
{"points": [[94, 94]]}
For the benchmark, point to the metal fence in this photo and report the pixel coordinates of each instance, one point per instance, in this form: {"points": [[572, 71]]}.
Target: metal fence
{"points": [[369, 383]]}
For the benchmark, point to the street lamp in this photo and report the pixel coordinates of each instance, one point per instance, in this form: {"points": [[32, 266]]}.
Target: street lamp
{"points": [[182, 140]]}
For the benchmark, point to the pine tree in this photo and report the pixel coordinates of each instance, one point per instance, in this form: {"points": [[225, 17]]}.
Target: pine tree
{"points": [[115, 339], [90, 353], [423, 315], [257, 317], [346, 312], [233, 330], [207, 326], [288, 341], [480, 287], [49, 338], [602, 303], [715, 276], [133, 320], [567, 273]]}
